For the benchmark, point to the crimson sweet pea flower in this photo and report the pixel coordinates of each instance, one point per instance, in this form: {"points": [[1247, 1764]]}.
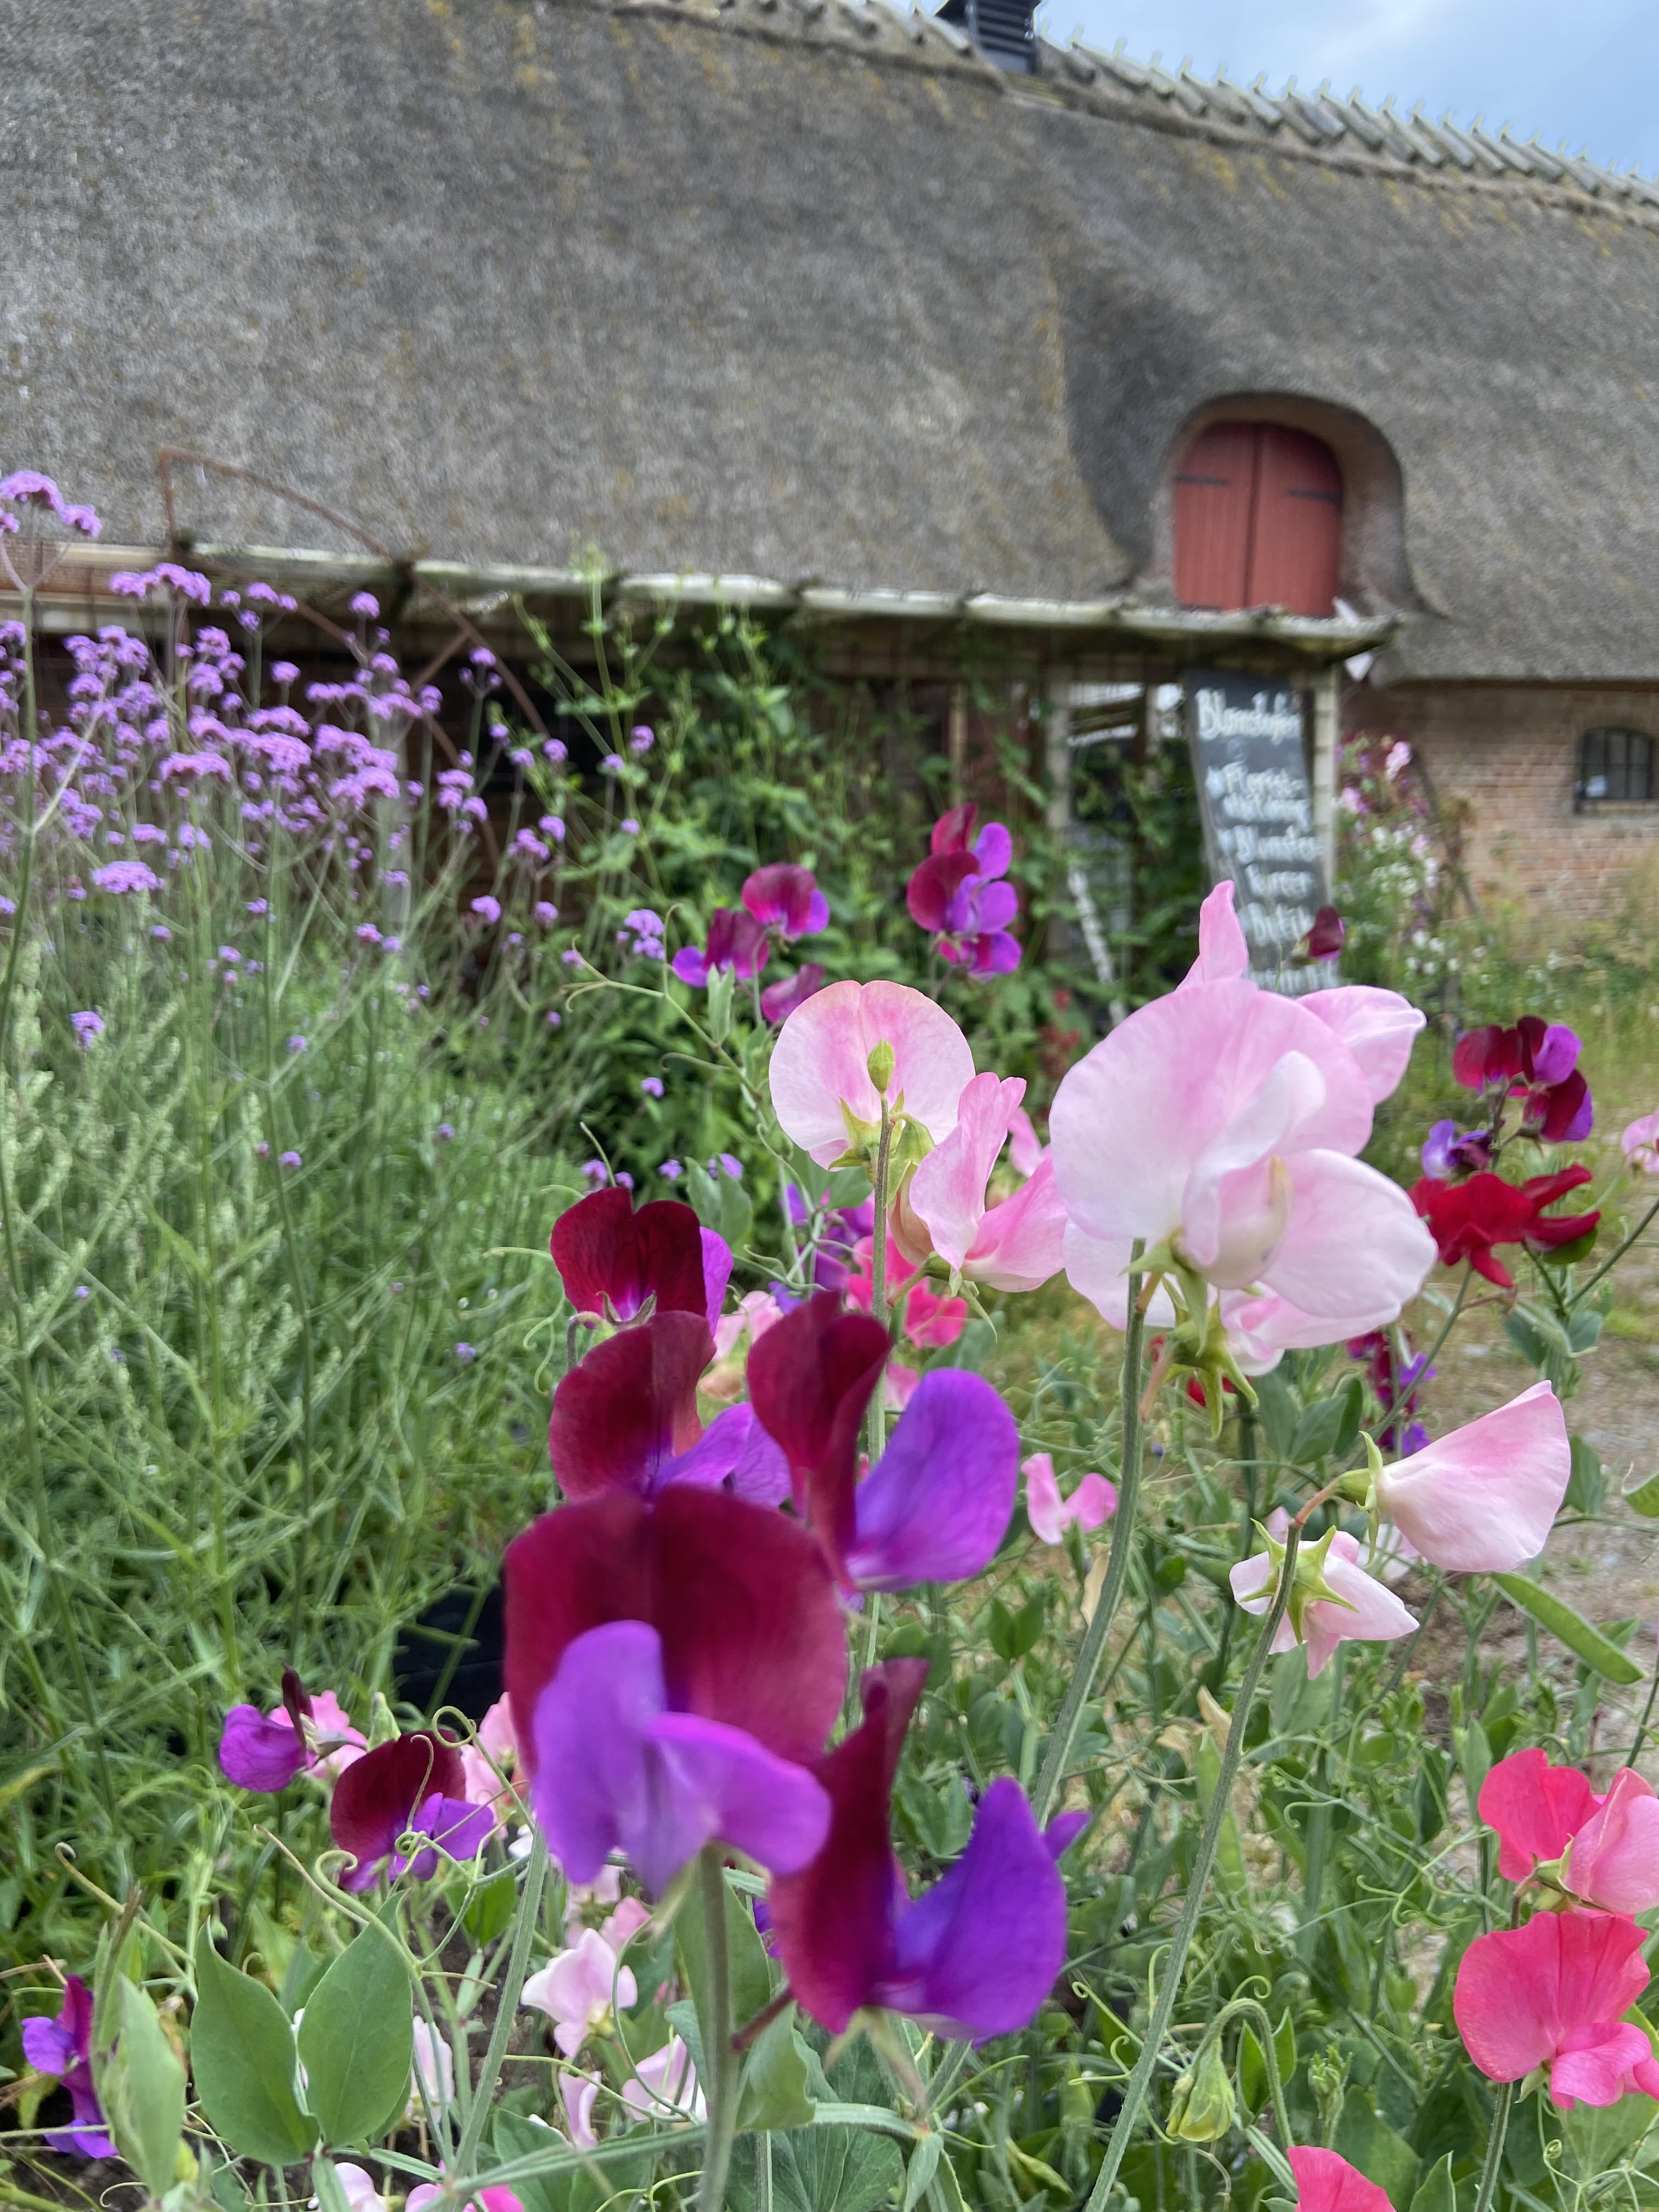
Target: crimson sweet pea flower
{"points": [[1607, 1847], [736, 940], [936, 1505], [975, 1955], [1469, 1220], [957, 896], [1537, 1061], [416, 1783], [787, 899], [614, 1260], [672, 1669], [1553, 1994], [62, 2046]]}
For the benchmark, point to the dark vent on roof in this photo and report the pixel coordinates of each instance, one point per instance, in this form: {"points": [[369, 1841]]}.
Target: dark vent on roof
{"points": [[1001, 29]]}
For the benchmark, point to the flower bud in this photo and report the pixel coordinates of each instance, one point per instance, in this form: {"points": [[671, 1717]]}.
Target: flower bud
{"points": [[1202, 2107], [880, 1066]]}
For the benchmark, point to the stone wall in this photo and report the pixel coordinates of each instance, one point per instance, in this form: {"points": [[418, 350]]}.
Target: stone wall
{"points": [[1512, 752]]}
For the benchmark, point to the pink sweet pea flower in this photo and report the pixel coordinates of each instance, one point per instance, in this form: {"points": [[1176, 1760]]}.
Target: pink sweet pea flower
{"points": [[578, 2094], [1015, 1246], [1364, 1612], [1553, 1994], [1325, 2182], [1219, 1124], [491, 1756], [492, 2200], [1025, 1146], [664, 2086], [1640, 1143], [1614, 1859], [1536, 1809], [1094, 1500], [579, 1988], [1484, 1499], [820, 1063]]}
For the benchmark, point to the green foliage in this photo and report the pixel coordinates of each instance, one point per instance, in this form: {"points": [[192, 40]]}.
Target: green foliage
{"points": [[357, 2040], [243, 2056]]}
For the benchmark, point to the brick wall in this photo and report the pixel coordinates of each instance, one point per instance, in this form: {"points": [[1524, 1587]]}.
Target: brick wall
{"points": [[1512, 752]]}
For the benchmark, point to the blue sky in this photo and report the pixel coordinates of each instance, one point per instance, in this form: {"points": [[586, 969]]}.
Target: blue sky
{"points": [[1584, 71]]}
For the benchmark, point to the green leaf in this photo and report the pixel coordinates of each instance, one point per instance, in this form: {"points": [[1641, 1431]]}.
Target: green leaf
{"points": [[1437, 2192], [825, 2169], [358, 2040], [1644, 1498], [939, 1816], [735, 1219], [1584, 1330], [1252, 2067], [774, 2092], [924, 2164], [1381, 2155], [750, 1969], [1279, 1412], [719, 1016], [490, 1914], [1317, 1431], [1532, 1337], [142, 2089], [1569, 1628], [241, 2051], [1013, 1634], [1599, 2137], [1587, 1486]]}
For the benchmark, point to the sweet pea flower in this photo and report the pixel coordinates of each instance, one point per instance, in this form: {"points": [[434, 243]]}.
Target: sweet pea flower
{"points": [[1025, 1147], [664, 2086], [264, 1752], [1344, 1605], [432, 2071], [936, 1505], [1536, 1062], [579, 2094], [1324, 941], [357, 2186], [1554, 1993], [1470, 1220], [613, 1259], [579, 1988], [975, 1955], [1607, 1847], [1015, 1246], [672, 1669], [1325, 2182], [780, 999], [1094, 1500], [820, 1072], [1640, 1143], [492, 2200], [1219, 1125], [62, 2046], [786, 899], [1484, 1499], [416, 1782], [957, 896], [484, 1761], [736, 940]]}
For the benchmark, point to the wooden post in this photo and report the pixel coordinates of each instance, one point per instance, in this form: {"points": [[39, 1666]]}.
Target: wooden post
{"points": [[1057, 740], [1327, 714], [955, 737]]}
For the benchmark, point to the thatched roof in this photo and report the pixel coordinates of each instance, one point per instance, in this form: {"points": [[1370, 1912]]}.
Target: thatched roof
{"points": [[801, 289]]}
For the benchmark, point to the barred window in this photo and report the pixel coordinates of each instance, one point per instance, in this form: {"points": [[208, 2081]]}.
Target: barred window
{"points": [[1614, 765]]}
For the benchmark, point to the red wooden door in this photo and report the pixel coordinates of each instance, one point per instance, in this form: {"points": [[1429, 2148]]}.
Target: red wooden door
{"points": [[1258, 520], [1295, 543]]}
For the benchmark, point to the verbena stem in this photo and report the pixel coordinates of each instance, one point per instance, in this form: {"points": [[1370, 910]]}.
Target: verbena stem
{"points": [[722, 2062], [1134, 2095], [1057, 1757]]}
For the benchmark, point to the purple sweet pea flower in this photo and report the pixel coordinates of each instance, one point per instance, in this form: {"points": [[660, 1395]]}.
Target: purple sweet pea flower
{"points": [[975, 1955], [616, 1767], [62, 2046], [780, 999], [957, 896], [736, 940], [787, 899], [416, 1782]]}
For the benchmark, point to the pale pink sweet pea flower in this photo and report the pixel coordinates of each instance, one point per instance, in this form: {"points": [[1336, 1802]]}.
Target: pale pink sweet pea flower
{"points": [[577, 1989], [624, 1924], [578, 2093], [492, 2200], [1015, 1246], [357, 2186], [1220, 1123], [496, 1748], [820, 1063], [1640, 1143], [1094, 1500], [1614, 1859], [1025, 1147], [1367, 1614], [434, 2071], [664, 2087], [1484, 1499]]}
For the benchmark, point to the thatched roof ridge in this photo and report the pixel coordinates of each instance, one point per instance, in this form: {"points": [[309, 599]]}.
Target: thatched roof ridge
{"points": [[805, 290]]}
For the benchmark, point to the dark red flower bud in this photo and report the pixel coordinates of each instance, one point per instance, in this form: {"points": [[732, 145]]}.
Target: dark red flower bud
{"points": [[1324, 939]]}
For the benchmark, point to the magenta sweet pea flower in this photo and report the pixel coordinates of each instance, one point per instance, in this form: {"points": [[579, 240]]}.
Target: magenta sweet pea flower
{"points": [[820, 1070], [1537, 1062], [416, 1783], [780, 999], [736, 940], [673, 1670], [1554, 1993], [1015, 1246], [1484, 1499], [975, 1955], [787, 899], [958, 896], [1606, 1848], [936, 1505], [1220, 1125], [62, 2046], [613, 1259]]}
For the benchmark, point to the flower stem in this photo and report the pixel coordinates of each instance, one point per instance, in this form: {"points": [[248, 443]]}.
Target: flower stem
{"points": [[1057, 1757], [1134, 2094], [723, 2064], [501, 2034], [876, 1419], [1500, 2126]]}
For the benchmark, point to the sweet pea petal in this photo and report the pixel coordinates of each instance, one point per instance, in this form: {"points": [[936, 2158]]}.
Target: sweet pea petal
{"points": [[629, 1407], [258, 1752], [1325, 2182], [1484, 1499], [1535, 1808], [947, 1191], [810, 1379], [1223, 954], [821, 1058], [1614, 1859], [936, 1505], [1378, 1027], [1354, 1250], [609, 1256]]}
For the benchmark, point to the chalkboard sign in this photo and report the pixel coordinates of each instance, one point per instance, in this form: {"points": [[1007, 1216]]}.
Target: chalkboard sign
{"points": [[1250, 763]]}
